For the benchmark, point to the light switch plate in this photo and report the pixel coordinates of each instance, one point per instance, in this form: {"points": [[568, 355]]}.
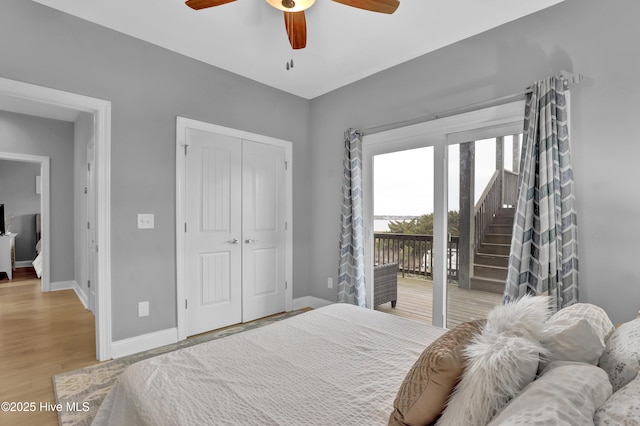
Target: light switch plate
{"points": [[145, 221], [143, 309]]}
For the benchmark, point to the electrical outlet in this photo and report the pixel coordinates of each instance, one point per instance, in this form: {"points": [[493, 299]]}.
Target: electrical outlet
{"points": [[330, 282], [145, 221], [143, 309]]}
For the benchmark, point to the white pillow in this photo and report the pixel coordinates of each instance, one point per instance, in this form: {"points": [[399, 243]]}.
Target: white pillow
{"points": [[621, 356], [567, 393], [623, 408], [577, 333], [502, 360]]}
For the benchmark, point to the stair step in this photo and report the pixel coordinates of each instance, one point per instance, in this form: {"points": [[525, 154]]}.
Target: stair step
{"points": [[487, 271], [497, 238], [502, 220], [491, 259], [500, 229], [506, 211], [490, 248], [488, 285]]}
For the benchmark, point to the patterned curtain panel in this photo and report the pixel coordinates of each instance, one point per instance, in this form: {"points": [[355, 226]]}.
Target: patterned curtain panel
{"points": [[351, 283], [544, 246]]}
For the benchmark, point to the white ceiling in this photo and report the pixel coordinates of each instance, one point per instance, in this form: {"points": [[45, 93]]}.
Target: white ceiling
{"points": [[344, 44]]}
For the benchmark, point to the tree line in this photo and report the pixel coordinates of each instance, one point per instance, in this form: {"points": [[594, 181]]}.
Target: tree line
{"points": [[424, 224]]}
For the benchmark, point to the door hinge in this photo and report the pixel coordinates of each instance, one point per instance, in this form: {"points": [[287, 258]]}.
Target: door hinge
{"points": [[185, 148], [186, 304], [88, 225], [286, 285], [286, 165], [286, 226], [88, 283], [185, 227], [85, 190], [88, 167]]}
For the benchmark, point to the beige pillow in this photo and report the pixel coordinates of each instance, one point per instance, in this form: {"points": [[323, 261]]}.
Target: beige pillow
{"points": [[428, 384]]}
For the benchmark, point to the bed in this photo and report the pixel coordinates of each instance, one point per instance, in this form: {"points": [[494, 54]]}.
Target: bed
{"points": [[336, 365]]}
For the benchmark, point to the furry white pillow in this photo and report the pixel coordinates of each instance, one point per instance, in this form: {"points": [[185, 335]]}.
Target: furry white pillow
{"points": [[502, 360]]}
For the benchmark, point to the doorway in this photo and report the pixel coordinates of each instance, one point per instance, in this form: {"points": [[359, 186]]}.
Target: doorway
{"points": [[40, 101], [43, 162]]}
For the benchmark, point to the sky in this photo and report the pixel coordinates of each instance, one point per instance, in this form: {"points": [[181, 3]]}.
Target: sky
{"points": [[403, 181]]}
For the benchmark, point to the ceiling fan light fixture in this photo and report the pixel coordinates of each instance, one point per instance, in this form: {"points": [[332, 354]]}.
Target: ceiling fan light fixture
{"points": [[291, 5]]}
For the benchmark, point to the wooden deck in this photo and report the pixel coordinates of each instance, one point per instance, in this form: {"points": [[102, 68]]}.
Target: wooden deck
{"points": [[415, 301]]}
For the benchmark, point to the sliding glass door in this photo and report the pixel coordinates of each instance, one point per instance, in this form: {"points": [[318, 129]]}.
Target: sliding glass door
{"points": [[438, 240]]}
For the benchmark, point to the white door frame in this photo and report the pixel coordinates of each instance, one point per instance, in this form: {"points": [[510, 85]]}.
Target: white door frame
{"points": [[36, 97], [440, 134], [182, 124]]}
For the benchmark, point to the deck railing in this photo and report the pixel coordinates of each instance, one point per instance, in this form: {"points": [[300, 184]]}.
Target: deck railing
{"points": [[413, 253]]}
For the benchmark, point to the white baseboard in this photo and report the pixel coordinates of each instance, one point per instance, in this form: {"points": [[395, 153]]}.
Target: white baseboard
{"points": [[82, 295], [310, 302], [145, 342], [24, 263], [63, 285]]}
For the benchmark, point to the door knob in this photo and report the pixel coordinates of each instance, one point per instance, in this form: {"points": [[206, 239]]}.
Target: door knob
{"points": [[234, 241], [249, 241]]}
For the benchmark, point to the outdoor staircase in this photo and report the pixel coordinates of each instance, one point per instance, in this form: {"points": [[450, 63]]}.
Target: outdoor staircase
{"points": [[492, 255]]}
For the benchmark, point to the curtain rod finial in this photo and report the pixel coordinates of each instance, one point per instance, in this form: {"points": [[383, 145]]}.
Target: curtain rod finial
{"points": [[571, 78]]}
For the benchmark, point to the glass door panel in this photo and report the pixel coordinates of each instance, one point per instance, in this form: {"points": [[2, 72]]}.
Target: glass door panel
{"points": [[479, 225], [403, 229]]}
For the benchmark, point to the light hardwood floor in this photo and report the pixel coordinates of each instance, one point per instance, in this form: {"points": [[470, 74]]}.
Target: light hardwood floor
{"points": [[415, 301], [41, 334]]}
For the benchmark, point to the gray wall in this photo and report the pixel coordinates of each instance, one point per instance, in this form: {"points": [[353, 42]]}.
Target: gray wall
{"points": [[597, 39], [54, 139], [148, 87], [18, 194]]}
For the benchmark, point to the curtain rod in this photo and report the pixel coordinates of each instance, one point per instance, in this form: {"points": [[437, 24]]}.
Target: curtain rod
{"points": [[569, 78]]}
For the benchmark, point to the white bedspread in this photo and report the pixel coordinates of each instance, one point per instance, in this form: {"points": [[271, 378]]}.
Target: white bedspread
{"points": [[339, 365]]}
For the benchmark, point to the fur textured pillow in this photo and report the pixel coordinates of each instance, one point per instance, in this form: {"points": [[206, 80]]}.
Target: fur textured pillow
{"points": [[502, 360], [429, 383]]}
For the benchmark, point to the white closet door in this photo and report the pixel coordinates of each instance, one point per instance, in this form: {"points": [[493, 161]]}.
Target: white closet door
{"points": [[213, 239], [264, 233]]}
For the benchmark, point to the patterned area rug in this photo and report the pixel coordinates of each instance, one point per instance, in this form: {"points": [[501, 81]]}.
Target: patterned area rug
{"points": [[84, 390]]}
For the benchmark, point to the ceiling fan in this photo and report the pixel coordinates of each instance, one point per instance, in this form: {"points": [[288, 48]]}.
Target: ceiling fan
{"points": [[294, 19]]}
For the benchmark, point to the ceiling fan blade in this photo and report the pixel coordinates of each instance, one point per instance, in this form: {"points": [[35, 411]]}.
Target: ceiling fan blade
{"points": [[380, 6], [203, 4], [296, 25]]}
